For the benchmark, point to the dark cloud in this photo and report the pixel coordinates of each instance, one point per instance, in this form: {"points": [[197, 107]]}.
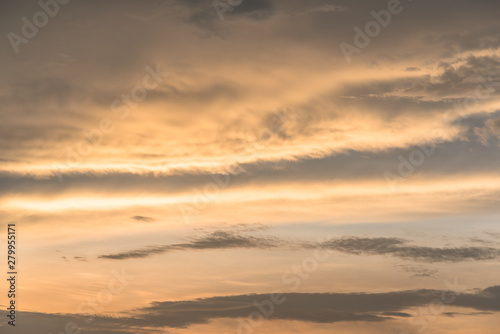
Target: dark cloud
{"points": [[139, 253], [452, 314], [460, 79], [209, 16], [144, 219], [467, 156], [35, 322], [307, 307], [235, 227], [400, 248], [221, 239], [229, 239], [480, 241], [226, 239], [254, 9]]}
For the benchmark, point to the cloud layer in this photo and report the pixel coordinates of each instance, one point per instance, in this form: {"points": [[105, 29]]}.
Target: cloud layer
{"points": [[223, 239], [306, 307]]}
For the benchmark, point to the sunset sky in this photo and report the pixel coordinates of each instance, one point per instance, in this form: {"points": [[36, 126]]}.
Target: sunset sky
{"points": [[251, 166]]}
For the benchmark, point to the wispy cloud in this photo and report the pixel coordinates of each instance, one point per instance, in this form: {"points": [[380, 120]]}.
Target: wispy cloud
{"points": [[417, 270], [402, 249], [220, 239]]}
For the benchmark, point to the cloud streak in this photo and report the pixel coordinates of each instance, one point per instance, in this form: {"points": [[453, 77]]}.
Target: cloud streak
{"points": [[396, 247], [400, 248], [214, 240]]}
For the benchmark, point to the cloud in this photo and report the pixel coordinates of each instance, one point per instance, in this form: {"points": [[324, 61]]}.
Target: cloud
{"points": [[220, 239], [417, 270], [453, 314], [490, 129], [241, 228], [455, 78], [255, 9], [144, 219], [325, 8], [470, 39], [204, 14], [400, 248], [139, 253], [70, 95], [228, 239], [495, 235], [352, 123], [461, 78], [481, 241], [306, 307]]}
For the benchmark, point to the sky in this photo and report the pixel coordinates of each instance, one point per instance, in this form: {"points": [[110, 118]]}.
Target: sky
{"points": [[251, 166]]}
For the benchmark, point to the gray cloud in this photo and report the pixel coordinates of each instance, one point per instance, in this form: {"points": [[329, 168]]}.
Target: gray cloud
{"points": [[459, 77], [203, 14], [453, 314], [481, 241], [254, 227], [495, 235], [417, 270], [255, 9], [71, 78], [400, 248], [144, 219], [80, 62], [307, 307], [139, 253], [227, 239], [462, 79], [220, 239], [470, 39], [466, 156]]}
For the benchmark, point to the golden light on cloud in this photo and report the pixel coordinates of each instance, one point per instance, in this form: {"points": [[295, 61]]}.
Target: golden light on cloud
{"points": [[250, 166]]}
